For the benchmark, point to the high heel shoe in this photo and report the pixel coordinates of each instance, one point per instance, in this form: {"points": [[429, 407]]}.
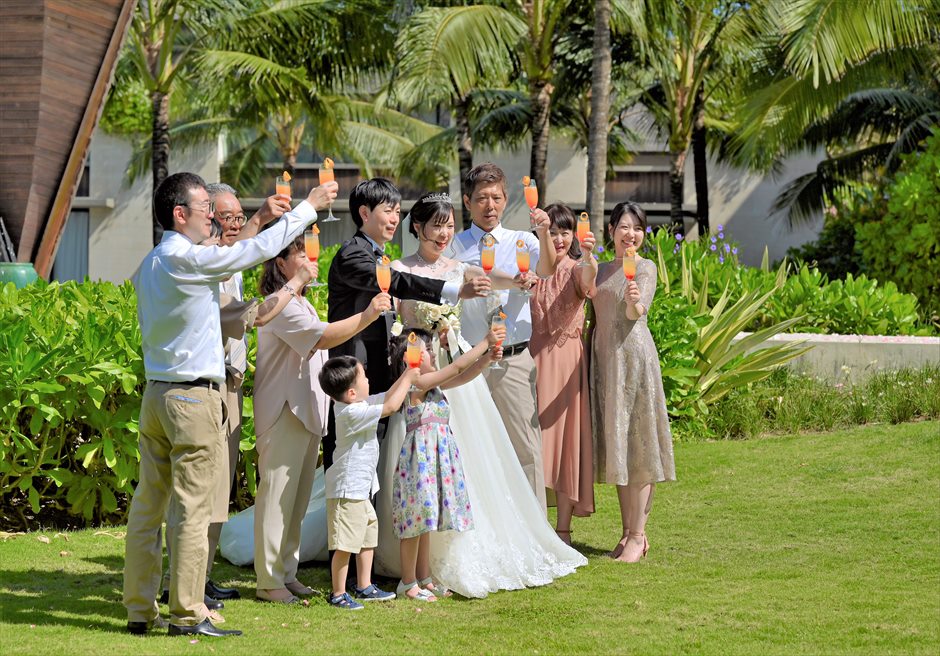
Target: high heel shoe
{"points": [[630, 553]]}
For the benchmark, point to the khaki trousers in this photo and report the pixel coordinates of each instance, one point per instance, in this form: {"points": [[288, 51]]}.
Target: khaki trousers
{"points": [[513, 390], [287, 462], [226, 475], [181, 440]]}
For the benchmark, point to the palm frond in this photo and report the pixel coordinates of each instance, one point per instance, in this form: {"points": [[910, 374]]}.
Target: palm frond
{"points": [[825, 38], [446, 52], [803, 199]]}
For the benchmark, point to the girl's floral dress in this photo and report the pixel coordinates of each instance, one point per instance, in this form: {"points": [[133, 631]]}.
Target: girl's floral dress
{"points": [[430, 493]]}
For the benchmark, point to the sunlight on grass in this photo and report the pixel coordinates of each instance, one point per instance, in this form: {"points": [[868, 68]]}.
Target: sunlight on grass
{"points": [[801, 544]]}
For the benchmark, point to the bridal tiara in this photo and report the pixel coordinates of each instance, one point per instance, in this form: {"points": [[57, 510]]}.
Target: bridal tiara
{"points": [[439, 197]]}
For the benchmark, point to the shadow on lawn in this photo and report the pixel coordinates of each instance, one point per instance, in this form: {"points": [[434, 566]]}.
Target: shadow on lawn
{"points": [[66, 599]]}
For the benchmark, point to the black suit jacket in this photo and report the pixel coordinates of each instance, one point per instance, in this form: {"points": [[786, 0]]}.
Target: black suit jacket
{"points": [[352, 286]]}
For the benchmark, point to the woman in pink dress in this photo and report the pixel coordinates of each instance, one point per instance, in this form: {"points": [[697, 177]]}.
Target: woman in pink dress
{"points": [[561, 363]]}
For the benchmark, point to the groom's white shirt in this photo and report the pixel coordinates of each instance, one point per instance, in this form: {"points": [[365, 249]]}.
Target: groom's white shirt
{"points": [[474, 319]]}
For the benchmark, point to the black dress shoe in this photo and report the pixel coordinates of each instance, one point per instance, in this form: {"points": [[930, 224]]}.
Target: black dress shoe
{"points": [[211, 604], [216, 592], [205, 628], [140, 628]]}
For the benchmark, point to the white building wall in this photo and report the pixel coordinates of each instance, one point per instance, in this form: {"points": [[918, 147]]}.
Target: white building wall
{"points": [[119, 238], [740, 201]]}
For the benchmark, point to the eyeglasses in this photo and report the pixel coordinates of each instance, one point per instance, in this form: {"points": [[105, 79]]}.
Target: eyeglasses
{"points": [[236, 219], [206, 206]]}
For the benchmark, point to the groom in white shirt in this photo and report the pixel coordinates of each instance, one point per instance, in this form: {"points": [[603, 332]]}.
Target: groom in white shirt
{"points": [[513, 386], [182, 413]]}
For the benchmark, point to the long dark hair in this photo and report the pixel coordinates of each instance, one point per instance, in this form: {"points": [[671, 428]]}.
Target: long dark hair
{"points": [[435, 209], [271, 277], [398, 345], [563, 219]]}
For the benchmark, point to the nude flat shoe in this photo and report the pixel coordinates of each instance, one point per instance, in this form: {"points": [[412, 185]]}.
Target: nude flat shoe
{"points": [[265, 595]]}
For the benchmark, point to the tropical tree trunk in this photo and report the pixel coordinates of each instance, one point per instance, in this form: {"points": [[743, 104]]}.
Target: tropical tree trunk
{"points": [[600, 107], [290, 161], [700, 161], [677, 188], [160, 147], [541, 95], [464, 152]]}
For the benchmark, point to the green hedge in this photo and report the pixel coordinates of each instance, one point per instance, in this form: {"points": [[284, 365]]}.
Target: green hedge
{"points": [[71, 369]]}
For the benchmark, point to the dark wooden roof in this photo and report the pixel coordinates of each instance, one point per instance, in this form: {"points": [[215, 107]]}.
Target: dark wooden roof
{"points": [[57, 58]]}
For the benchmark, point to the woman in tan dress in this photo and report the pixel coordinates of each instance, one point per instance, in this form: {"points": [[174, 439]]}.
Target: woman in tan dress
{"points": [[633, 445], [290, 419], [561, 364]]}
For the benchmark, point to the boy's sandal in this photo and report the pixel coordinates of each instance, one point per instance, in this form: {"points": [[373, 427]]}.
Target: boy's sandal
{"points": [[439, 591], [423, 595]]}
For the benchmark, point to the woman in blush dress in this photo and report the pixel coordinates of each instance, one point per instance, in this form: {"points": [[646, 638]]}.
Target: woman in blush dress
{"points": [[633, 441], [512, 546], [561, 362]]}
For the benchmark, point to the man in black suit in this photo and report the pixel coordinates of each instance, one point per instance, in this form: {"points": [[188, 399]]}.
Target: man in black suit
{"points": [[376, 209]]}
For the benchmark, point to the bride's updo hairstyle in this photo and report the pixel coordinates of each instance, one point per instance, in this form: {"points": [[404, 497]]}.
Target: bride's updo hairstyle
{"points": [[435, 209]]}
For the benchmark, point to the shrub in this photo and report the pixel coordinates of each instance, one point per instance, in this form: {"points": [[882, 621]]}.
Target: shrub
{"points": [[905, 245], [71, 376]]}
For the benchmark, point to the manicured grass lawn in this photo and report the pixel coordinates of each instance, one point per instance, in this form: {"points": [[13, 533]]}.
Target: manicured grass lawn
{"points": [[804, 544]]}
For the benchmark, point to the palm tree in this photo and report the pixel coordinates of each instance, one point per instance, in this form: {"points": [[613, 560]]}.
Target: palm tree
{"points": [[162, 39], [862, 82], [444, 56], [700, 37], [601, 57]]}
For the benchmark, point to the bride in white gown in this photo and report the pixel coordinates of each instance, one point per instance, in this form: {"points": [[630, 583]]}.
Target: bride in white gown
{"points": [[512, 545]]}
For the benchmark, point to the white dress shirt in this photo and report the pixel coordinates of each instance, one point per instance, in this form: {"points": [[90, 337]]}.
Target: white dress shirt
{"points": [[353, 473], [475, 316], [178, 297]]}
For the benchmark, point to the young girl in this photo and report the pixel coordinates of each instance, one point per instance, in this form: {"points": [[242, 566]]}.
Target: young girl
{"points": [[429, 492]]}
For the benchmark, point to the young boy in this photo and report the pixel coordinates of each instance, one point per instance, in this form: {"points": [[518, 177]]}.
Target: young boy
{"points": [[351, 521]]}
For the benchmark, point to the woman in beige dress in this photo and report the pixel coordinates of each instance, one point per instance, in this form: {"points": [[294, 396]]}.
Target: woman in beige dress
{"points": [[633, 442], [561, 363], [290, 419]]}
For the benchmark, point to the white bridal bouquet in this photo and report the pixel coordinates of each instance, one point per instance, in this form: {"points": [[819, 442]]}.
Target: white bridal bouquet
{"points": [[433, 318]]}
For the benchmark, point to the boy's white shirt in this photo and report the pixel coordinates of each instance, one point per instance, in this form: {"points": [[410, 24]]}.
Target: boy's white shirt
{"points": [[356, 457]]}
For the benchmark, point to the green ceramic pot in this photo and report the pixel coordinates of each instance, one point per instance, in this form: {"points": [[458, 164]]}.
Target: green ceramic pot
{"points": [[19, 273]]}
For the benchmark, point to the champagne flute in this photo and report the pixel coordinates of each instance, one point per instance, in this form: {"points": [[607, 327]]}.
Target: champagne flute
{"points": [[531, 196], [312, 249], [488, 255], [383, 276], [629, 263], [584, 227], [522, 261], [327, 174], [499, 320], [282, 184], [413, 354]]}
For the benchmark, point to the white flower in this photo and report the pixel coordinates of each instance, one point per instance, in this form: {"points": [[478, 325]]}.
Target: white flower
{"points": [[397, 327]]}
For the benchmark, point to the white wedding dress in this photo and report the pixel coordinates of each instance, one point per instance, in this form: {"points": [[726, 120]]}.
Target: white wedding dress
{"points": [[512, 545]]}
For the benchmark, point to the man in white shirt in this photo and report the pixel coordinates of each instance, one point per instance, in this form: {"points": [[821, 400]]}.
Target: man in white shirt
{"points": [[512, 386], [182, 413]]}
